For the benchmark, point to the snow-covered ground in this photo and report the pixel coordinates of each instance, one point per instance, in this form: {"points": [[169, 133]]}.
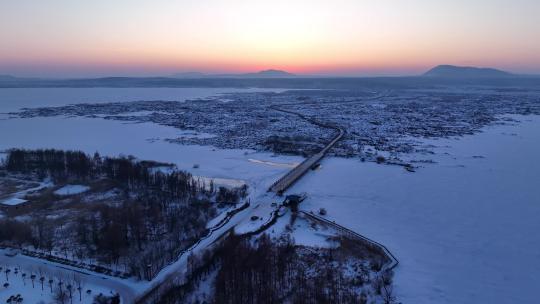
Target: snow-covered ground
{"points": [[13, 201], [464, 229], [307, 234], [261, 213], [220, 182], [33, 293], [71, 190], [145, 141], [17, 198]]}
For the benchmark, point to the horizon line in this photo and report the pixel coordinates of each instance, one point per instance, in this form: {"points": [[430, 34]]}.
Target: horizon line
{"points": [[244, 75]]}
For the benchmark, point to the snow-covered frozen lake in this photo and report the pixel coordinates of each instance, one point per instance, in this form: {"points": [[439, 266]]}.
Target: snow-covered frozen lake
{"points": [[143, 140], [13, 99], [464, 229]]}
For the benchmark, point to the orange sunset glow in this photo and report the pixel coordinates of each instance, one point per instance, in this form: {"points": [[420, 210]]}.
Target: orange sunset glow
{"points": [[343, 37]]}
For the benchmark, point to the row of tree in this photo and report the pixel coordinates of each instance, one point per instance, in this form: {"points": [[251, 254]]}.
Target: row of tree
{"points": [[268, 271], [62, 166], [273, 272], [54, 163]]}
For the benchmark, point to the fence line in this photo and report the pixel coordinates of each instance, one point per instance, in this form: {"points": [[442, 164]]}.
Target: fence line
{"points": [[348, 232]]}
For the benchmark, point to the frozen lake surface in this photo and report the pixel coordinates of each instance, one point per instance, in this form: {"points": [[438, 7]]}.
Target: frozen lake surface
{"points": [[13, 99], [464, 229], [143, 140]]}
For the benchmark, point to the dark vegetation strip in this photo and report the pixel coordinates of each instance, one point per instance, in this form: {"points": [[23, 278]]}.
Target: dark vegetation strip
{"points": [[271, 272]]}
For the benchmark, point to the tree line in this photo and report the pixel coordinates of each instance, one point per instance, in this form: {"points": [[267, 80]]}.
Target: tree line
{"points": [[62, 166], [157, 215], [271, 271]]}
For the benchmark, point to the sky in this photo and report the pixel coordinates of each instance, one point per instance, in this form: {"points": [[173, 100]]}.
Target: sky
{"points": [[69, 38]]}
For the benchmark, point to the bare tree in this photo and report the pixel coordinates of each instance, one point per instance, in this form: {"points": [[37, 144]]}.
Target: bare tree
{"points": [[33, 278], [51, 281], [69, 288], [388, 294], [7, 271], [60, 295], [41, 277], [79, 284]]}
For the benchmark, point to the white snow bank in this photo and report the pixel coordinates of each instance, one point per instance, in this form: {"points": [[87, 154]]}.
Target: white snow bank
{"points": [[221, 182], [275, 164], [200, 135], [304, 234], [13, 201], [71, 190], [16, 198], [260, 215]]}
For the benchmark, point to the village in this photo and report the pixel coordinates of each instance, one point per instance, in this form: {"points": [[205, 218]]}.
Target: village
{"points": [[379, 125]]}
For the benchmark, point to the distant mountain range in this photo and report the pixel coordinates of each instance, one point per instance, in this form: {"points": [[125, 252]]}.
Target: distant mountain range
{"points": [[261, 74], [7, 77], [452, 71], [443, 74], [443, 71]]}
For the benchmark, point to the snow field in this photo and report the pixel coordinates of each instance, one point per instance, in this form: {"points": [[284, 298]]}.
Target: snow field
{"points": [[462, 229], [71, 190]]}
